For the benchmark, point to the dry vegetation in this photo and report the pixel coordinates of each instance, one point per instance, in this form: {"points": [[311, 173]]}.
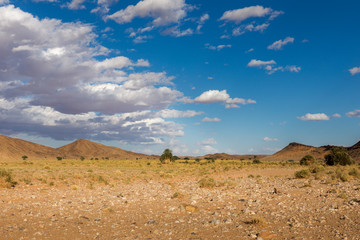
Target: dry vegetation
{"points": [[187, 199]]}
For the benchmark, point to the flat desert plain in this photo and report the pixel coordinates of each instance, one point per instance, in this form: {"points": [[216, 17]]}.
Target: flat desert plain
{"points": [[221, 199]]}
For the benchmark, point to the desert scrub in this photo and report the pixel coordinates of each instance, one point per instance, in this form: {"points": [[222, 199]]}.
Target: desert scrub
{"points": [[307, 160], [257, 221], [302, 173], [207, 182], [342, 175], [6, 179], [178, 195], [354, 172], [317, 169]]}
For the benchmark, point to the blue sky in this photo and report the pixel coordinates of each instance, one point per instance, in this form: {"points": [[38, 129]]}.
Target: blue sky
{"points": [[195, 76]]}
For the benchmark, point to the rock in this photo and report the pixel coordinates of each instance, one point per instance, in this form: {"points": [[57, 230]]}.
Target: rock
{"points": [[191, 208]]}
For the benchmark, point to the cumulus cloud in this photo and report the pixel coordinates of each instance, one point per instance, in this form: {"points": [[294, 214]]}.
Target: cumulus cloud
{"points": [[216, 96], [3, 2], [19, 116], [314, 117], [260, 63], [336, 115], [270, 68], [163, 12], [103, 6], [278, 45], [202, 21], [354, 70], [53, 84], [355, 113], [172, 113], [207, 146], [218, 48], [239, 16], [268, 139], [76, 4], [206, 119]]}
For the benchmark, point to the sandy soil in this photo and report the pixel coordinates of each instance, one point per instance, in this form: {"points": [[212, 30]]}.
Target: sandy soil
{"points": [[271, 204]]}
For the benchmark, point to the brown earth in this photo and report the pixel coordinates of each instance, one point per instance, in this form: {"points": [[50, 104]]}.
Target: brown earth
{"points": [[89, 149], [246, 203]]}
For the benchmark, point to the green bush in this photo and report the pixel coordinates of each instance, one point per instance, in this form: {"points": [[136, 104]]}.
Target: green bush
{"points": [[166, 156], [302, 174], [338, 156], [307, 160]]}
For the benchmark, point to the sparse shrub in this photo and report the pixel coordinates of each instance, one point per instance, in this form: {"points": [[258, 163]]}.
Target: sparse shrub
{"points": [[82, 158], [59, 158], [186, 158], [178, 195], [207, 183], [51, 184], [257, 221], [338, 156], [302, 174], [317, 169], [354, 172], [342, 175], [148, 164], [256, 161], [174, 158], [307, 160], [6, 179], [24, 157], [197, 160], [343, 196], [166, 156], [251, 176]]}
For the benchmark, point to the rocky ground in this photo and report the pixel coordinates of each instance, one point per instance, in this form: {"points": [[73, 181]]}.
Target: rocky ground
{"points": [[244, 204]]}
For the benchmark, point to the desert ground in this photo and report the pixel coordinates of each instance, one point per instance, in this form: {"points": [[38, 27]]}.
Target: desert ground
{"points": [[221, 199]]}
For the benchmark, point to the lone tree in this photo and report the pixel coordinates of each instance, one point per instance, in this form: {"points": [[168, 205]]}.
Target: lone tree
{"points": [[166, 156], [307, 160], [338, 156], [59, 158], [24, 157]]}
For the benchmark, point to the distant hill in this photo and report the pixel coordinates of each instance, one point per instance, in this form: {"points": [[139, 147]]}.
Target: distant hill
{"points": [[354, 151], [89, 149], [226, 156], [14, 148], [295, 151]]}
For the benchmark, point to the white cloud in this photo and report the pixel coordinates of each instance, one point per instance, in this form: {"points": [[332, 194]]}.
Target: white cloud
{"points": [[239, 15], [213, 96], [53, 84], [250, 50], [163, 12], [103, 6], [267, 139], [3, 2], [76, 4], [206, 119], [314, 117], [270, 68], [218, 48], [207, 146], [260, 63], [336, 115], [354, 70], [278, 45], [172, 113], [202, 21], [209, 141], [355, 113]]}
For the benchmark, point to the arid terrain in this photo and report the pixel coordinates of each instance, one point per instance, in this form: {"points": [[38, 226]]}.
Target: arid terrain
{"points": [[186, 199]]}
